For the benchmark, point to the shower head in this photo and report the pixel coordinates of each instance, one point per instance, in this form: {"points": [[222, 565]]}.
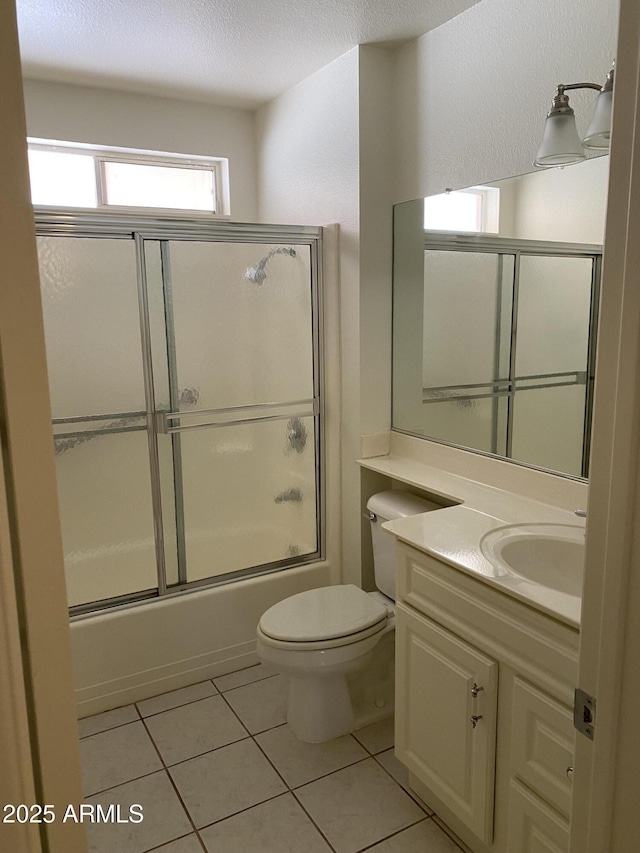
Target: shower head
{"points": [[256, 274]]}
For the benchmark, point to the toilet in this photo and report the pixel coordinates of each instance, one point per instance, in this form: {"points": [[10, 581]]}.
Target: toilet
{"points": [[336, 643]]}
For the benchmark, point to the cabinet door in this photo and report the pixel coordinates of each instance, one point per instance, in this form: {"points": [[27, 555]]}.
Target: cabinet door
{"points": [[542, 737], [534, 827], [446, 694]]}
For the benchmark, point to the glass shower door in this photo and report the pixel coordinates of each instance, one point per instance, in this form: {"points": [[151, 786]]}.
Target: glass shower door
{"points": [[90, 306], [185, 386], [237, 404], [552, 355]]}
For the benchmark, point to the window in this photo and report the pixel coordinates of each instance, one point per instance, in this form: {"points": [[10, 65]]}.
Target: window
{"points": [[475, 209], [64, 175]]}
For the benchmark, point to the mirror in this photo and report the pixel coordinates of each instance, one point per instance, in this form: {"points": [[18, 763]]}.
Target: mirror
{"points": [[495, 303]]}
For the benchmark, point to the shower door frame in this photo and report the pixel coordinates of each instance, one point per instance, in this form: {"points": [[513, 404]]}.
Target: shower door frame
{"points": [[442, 241], [56, 222]]}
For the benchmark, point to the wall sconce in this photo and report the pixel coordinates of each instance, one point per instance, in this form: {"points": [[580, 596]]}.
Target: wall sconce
{"points": [[561, 144]]}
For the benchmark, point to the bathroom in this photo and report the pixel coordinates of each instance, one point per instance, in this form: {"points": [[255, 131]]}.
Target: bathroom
{"points": [[332, 131]]}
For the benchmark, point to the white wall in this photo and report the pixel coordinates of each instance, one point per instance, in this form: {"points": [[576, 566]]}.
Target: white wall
{"points": [[325, 156], [122, 119], [567, 204], [308, 156], [471, 95]]}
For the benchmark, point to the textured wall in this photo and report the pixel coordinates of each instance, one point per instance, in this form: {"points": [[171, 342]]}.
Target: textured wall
{"points": [[471, 95], [308, 144], [106, 117]]}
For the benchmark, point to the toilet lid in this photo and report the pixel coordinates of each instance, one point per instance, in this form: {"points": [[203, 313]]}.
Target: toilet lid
{"points": [[322, 614]]}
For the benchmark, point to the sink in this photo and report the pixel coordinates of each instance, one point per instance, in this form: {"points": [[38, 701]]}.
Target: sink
{"points": [[551, 555]]}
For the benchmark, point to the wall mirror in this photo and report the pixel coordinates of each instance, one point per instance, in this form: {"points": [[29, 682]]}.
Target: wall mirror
{"points": [[495, 311]]}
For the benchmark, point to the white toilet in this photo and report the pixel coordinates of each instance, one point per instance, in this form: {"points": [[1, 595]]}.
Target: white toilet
{"points": [[336, 643]]}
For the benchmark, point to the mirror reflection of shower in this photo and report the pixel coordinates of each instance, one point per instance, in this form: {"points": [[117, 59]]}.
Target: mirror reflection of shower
{"points": [[256, 274]]}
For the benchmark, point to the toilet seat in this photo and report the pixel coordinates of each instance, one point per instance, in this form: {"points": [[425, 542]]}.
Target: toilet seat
{"points": [[326, 617]]}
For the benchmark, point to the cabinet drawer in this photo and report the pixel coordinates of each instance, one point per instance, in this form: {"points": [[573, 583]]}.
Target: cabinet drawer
{"points": [[446, 696], [542, 744], [534, 827]]}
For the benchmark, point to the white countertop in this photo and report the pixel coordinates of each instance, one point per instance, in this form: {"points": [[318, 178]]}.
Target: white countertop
{"points": [[453, 534]]}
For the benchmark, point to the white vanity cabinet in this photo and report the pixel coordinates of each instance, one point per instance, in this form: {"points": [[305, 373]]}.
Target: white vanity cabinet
{"points": [[484, 723]]}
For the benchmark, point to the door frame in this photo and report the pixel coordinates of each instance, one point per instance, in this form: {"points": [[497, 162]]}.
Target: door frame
{"points": [[606, 780], [36, 672]]}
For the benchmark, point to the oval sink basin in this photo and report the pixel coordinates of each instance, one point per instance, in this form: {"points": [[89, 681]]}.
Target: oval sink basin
{"points": [[551, 555]]}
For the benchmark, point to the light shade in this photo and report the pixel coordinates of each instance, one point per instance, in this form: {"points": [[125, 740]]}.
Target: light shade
{"points": [[598, 133], [560, 144]]}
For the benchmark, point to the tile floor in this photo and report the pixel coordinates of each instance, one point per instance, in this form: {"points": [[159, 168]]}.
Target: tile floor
{"points": [[216, 769]]}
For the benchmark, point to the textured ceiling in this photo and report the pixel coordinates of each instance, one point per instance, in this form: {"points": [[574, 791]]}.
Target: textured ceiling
{"points": [[236, 52]]}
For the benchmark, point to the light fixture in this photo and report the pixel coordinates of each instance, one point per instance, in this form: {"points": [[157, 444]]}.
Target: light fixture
{"points": [[561, 144]]}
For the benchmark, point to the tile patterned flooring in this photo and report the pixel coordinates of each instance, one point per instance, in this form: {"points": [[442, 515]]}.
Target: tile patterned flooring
{"points": [[217, 770]]}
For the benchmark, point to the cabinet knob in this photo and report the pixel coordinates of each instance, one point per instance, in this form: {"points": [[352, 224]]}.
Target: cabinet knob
{"points": [[475, 690], [474, 719], [570, 774]]}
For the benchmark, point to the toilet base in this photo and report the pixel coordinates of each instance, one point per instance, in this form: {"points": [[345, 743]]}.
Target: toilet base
{"points": [[319, 708]]}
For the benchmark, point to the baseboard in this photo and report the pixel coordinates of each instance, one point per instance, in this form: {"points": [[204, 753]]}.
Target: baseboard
{"points": [[97, 698]]}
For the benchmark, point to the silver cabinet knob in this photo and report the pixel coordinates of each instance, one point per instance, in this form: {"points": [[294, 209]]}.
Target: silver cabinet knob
{"points": [[474, 719], [475, 690], [570, 774]]}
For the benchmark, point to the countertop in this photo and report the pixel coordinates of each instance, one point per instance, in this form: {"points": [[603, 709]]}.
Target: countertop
{"points": [[453, 534]]}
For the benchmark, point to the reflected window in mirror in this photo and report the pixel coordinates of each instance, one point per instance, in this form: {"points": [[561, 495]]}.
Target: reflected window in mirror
{"points": [[495, 334], [475, 210]]}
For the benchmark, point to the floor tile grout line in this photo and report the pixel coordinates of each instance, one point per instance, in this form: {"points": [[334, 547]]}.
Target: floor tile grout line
{"points": [[302, 806], [325, 775], [248, 684], [242, 811], [181, 705], [166, 843], [167, 768], [285, 783], [409, 792], [126, 782], [448, 832], [207, 751], [393, 834], [173, 840], [172, 783], [361, 761], [110, 729]]}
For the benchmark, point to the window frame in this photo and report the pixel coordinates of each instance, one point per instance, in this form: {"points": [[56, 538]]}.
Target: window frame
{"points": [[101, 154]]}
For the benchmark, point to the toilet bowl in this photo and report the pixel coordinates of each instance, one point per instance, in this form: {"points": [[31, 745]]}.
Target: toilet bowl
{"points": [[335, 644]]}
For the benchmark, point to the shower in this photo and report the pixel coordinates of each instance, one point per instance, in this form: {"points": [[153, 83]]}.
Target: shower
{"points": [[256, 274], [187, 442]]}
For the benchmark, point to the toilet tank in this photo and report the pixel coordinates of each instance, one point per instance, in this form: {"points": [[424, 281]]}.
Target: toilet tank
{"points": [[387, 506]]}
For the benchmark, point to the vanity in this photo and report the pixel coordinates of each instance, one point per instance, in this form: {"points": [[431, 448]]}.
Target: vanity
{"points": [[486, 657], [495, 322]]}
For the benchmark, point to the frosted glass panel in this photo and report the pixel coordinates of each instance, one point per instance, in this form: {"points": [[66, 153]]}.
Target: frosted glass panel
{"points": [[553, 315], [107, 522], [464, 421], [141, 185], [462, 301], [63, 180], [249, 495], [548, 428], [92, 328], [242, 323]]}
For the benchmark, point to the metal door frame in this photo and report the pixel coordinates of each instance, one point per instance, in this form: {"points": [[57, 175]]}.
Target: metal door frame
{"points": [[501, 246], [54, 222]]}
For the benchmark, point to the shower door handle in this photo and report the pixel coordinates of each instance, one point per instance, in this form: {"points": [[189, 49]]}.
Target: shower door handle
{"points": [[256, 413]]}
